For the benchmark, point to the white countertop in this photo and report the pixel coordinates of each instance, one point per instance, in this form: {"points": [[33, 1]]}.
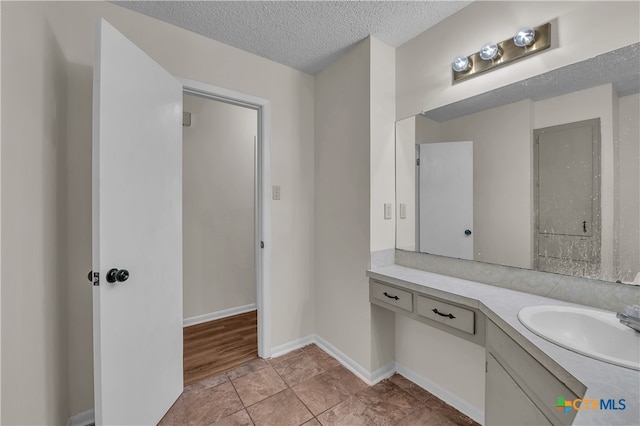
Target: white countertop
{"points": [[500, 305]]}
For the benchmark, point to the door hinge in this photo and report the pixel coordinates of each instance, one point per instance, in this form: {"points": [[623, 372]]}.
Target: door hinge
{"points": [[417, 161], [261, 244], [96, 279], [486, 366]]}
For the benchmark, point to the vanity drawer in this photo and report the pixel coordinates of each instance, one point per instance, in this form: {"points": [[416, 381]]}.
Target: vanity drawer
{"points": [[446, 313], [393, 296]]}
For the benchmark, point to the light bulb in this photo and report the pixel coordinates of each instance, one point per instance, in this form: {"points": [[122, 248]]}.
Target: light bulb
{"points": [[525, 37], [489, 51], [461, 64]]}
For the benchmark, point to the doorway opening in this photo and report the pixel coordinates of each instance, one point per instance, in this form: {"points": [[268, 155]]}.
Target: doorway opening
{"points": [[225, 227]]}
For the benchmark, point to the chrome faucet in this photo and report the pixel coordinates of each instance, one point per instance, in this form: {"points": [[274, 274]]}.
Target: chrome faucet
{"points": [[631, 317]]}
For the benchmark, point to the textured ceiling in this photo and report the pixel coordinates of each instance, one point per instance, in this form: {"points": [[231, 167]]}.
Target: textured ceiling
{"points": [[620, 67], [305, 35]]}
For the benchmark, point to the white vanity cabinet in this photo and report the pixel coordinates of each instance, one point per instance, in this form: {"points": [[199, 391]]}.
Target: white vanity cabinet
{"points": [[462, 321], [524, 380], [518, 389], [505, 402]]}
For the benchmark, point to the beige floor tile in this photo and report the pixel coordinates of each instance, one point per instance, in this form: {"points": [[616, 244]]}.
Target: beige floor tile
{"points": [[328, 389], [388, 400], [323, 359], [297, 369], [241, 418], [246, 368], [282, 409], [209, 405], [352, 412], [259, 385]]}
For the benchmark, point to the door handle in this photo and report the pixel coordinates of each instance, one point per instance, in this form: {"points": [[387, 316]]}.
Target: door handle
{"points": [[119, 275], [467, 232]]}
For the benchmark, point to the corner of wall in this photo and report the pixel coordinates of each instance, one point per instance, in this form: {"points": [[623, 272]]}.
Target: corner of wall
{"points": [[382, 89], [342, 203]]}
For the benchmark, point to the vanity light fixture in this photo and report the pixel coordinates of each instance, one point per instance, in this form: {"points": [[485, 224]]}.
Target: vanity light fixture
{"points": [[525, 37], [489, 51], [461, 64], [526, 42]]}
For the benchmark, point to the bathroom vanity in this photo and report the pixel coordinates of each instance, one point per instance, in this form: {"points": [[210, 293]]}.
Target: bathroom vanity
{"points": [[526, 375]]}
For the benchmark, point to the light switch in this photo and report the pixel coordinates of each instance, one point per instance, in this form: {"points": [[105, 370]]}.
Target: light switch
{"points": [[387, 211], [403, 210], [275, 192]]}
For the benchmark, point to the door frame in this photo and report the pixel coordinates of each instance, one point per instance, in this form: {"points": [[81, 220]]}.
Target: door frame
{"points": [[262, 209], [596, 157]]}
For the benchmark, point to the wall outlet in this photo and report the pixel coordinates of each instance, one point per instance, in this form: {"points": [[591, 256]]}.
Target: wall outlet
{"points": [[403, 211], [387, 211], [275, 192]]}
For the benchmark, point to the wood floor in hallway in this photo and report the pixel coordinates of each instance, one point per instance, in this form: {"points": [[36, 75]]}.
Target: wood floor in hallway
{"points": [[216, 346]]}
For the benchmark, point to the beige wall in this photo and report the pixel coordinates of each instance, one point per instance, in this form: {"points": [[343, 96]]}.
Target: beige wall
{"points": [[579, 32], [382, 152], [502, 190], [382, 188], [0, 219], [629, 186], [35, 299], [406, 181], [353, 179], [34, 329], [448, 362], [342, 216], [502, 212], [218, 206]]}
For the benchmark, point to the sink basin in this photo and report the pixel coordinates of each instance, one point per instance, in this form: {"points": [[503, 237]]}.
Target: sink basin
{"points": [[595, 334]]}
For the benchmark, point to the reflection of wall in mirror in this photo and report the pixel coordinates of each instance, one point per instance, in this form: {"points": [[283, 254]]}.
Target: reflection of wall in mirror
{"points": [[503, 193], [502, 208], [629, 187], [406, 183], [603, 102]]}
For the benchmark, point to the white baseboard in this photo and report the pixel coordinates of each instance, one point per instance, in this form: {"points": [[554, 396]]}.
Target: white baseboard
{"points": [[82, 419], [87, 417], [218, 315], [369, 378], [462, 406], [348, 363], [291, 346]]}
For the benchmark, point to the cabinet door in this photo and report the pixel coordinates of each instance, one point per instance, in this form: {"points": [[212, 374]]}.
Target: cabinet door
{"points": [[505, 402]]}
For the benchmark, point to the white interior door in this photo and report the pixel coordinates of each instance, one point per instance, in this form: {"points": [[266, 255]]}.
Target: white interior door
{"points": [[137, 226], [446, 199]]}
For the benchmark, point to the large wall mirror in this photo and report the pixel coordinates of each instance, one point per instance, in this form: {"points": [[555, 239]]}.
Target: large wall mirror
{"points": [[541, 174]]}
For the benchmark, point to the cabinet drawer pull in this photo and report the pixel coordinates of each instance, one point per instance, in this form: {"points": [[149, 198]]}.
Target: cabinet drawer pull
{"points": [[391, 297], [441, 314]]}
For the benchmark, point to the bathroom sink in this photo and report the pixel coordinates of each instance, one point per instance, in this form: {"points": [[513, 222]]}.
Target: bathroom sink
{"points": [[595, 334]]}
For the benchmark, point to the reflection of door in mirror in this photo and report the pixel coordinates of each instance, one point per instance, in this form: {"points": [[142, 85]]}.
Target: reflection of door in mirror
{"points": [[567, 198], [445, 186]]}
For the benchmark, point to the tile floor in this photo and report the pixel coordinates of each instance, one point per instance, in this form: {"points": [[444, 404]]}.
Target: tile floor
{"points": [[307, 387]]}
